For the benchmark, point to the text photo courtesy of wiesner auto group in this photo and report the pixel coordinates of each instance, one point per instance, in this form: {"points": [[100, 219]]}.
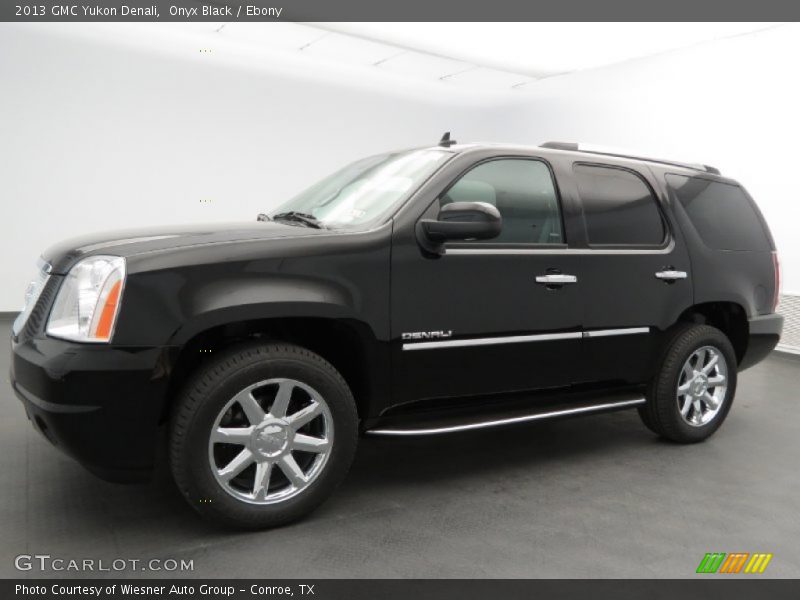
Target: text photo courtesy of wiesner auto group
{"points": [[343, 300]]}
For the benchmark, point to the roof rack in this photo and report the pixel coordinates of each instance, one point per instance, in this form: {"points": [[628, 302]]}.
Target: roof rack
{"points": [[574, 147]]}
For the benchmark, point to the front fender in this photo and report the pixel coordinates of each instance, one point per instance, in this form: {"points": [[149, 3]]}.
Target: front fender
{"points": [[169, 308], [215, 303]]}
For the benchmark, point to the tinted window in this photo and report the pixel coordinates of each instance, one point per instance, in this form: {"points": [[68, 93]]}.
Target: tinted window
{"points": [[523, 192], [721, 213], [618, 207]]}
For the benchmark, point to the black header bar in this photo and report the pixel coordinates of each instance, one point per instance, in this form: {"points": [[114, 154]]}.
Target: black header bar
{"points": [[705, 587]]}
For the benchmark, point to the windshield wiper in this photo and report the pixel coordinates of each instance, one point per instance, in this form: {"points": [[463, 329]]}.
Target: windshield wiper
{"points": [[305, 218]]}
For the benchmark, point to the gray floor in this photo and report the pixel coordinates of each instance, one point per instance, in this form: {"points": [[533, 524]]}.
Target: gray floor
{"points": [[592, 497]]}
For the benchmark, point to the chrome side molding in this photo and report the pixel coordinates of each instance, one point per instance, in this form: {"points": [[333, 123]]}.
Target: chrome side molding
{"points": [[490, 341], [608, 332], [508, 421], [516, 339]]}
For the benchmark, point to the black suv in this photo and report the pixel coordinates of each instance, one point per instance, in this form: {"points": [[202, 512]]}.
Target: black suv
{"points": [[426, 291]]}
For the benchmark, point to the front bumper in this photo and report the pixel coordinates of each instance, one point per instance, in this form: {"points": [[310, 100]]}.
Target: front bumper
{"points": [[100, 404], [764, 334]]}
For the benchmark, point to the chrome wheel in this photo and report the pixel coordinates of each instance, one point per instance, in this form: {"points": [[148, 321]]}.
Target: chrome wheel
{"points": [[271, 441], [702, 386]]}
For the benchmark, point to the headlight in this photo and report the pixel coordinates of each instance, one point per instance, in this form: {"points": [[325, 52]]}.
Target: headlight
{"points": [[86, 306], [32, 293]]}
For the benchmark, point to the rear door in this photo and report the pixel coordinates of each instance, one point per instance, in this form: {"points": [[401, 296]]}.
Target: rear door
{"points": [[635, 274]]}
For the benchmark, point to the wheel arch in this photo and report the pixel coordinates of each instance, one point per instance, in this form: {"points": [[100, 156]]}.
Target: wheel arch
{"points": [[348, 344], [728, 317]]}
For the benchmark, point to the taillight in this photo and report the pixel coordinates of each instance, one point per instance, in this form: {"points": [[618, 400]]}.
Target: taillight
{"points": [[776, 265]]}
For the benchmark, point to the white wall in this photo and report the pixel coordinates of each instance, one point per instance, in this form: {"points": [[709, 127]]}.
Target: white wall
{"points": [[108, 127], [733, 103]]}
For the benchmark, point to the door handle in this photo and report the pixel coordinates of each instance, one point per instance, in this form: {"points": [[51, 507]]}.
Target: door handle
{"points": [[671, 275], [556, 279]]}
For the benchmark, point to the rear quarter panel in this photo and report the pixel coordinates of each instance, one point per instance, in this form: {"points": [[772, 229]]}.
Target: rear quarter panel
{"points": [[745, 277]]}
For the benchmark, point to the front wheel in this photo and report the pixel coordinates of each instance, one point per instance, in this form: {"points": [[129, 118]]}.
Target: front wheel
{"points": [[262, 435], [692, 392]]}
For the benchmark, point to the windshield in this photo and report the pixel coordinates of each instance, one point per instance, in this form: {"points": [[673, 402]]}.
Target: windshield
{"points": [[365, 190]]}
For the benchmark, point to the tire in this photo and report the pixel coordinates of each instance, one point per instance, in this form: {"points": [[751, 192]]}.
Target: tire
{"points": [[704, 397], [314, 428]]}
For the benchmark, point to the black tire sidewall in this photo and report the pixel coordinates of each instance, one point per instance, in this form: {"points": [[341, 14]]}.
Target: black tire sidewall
{"points": [[215, 386], [667, 418]]}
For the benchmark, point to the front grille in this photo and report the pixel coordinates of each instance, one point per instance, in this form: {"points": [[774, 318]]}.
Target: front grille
{"points": [[36, 319]]}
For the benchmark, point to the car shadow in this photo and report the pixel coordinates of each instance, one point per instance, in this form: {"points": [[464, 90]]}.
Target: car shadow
{"points": [[107, 517], [390, 461]]}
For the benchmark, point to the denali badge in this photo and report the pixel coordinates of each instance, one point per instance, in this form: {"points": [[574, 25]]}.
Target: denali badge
{"points": [[427, 335]]}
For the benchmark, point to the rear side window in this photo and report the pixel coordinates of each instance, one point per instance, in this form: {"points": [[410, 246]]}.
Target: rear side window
{"points": [[721, 213], [618, 207], [523, 192]]}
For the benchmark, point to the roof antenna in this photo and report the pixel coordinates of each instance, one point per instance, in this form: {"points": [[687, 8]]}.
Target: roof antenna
{"points": [[446, 142]]}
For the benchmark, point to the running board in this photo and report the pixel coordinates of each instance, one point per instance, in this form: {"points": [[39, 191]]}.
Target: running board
{"points": [[432, 429]]}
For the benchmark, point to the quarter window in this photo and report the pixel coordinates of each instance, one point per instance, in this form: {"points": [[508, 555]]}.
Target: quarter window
{"points": [[721, 212], [524, 193], [618, 207]]}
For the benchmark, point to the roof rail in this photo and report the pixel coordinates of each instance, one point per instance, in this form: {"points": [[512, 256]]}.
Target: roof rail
{"points": [[574, 147]]}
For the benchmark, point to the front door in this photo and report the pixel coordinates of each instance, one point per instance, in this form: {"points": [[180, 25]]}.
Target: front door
{"points": [[489, 316]]}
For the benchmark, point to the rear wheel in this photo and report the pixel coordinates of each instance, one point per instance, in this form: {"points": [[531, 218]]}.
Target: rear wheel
{"points": [[262, 435], [692, 393]]}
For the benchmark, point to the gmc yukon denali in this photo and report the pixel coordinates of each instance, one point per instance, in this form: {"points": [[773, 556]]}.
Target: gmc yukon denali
{"points": [[420, 292]]}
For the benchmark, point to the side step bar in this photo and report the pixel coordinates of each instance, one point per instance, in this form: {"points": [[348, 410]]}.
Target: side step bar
{"points": [[497, 422]]}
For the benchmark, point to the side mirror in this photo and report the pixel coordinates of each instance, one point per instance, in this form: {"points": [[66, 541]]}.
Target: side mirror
{"points": [[460, 221]]}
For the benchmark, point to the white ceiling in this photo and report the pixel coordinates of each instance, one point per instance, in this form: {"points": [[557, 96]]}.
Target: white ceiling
{"points": [[481, 57], [543, 49]]}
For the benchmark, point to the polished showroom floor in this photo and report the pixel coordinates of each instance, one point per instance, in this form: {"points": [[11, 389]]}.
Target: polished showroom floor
{"points": [[590, 497]]}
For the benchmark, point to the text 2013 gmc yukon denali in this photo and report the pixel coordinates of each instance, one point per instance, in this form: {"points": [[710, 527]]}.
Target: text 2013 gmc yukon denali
{"points": [[418, 292]]}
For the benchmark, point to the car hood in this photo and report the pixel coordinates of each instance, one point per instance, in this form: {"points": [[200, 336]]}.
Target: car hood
{"points": [[136, 241]]}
